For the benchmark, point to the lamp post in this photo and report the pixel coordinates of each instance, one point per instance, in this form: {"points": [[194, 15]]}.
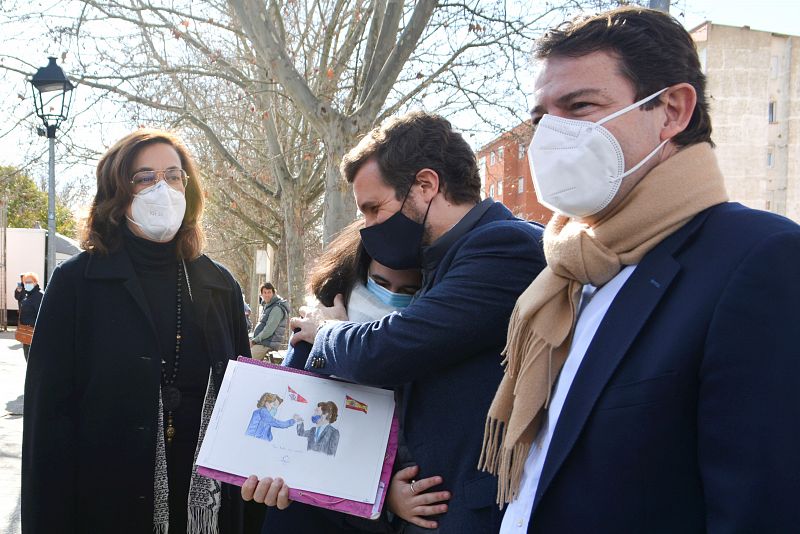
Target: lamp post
{"points": [[52, 96]]}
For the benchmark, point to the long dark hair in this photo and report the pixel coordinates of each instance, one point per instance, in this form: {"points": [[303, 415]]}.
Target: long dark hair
{"points": [[103, 231], [343, 263]]}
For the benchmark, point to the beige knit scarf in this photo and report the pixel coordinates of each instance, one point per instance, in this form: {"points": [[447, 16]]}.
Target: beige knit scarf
{"points": [[543, 320]]}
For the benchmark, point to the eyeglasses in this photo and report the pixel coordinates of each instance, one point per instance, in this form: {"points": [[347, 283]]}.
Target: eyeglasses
{"points": [[176, 178]]}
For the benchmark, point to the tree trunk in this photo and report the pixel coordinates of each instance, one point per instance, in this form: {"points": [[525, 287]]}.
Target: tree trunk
{"points": [[340, 206], [293, 239]]}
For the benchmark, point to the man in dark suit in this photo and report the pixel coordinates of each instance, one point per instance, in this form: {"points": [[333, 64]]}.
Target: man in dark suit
{"points": [[653, 377], [417, 183], [322, 437]]}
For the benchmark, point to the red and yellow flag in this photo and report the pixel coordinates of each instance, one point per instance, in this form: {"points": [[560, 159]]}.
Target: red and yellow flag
{"points": [[353, 404]]}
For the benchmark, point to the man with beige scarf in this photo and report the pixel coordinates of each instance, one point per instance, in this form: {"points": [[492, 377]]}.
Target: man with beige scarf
{"points": [[652, 379]]}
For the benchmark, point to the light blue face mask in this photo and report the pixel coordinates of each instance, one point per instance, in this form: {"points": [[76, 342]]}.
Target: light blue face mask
{"points": [[397, 300], [29, 287]]}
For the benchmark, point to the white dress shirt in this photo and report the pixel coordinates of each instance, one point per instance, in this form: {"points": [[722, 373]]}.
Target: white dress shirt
{"points": [[593, 307]]}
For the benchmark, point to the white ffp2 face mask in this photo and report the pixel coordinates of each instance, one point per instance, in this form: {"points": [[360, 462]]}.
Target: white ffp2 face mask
{"points": [[578, 166], [158, 211]]}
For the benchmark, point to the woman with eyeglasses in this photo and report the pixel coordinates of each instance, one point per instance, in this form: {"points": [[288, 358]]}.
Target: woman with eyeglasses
{"points": [[131, 343]]}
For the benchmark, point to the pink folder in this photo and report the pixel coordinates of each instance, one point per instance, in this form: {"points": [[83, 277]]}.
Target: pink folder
{"points": [[370, 511]]}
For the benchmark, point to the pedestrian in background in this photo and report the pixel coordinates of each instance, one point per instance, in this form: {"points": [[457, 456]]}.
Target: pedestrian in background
{"points": [[29, 297], [247, 313], [117, 393], [270, 332]]}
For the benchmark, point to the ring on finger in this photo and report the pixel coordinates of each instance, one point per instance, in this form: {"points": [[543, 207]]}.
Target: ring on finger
{"points": [[413, 490]]}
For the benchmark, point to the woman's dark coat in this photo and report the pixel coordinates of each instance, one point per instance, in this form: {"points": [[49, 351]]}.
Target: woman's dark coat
{"points": [[91, 395]]}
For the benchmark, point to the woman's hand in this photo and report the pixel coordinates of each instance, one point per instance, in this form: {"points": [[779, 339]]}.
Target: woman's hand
{"points": [[272, 492], [408, 498]]}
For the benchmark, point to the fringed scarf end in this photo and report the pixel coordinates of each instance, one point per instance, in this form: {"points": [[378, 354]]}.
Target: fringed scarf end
{"points": [[202, 520], [493, 435], [509, 478]]}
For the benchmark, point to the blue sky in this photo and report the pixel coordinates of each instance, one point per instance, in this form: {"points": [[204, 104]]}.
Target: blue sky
{"points": [[779, 16]]}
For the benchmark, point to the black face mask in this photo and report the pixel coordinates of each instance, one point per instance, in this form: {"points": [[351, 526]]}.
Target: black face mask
{"points": [[397, 241]]}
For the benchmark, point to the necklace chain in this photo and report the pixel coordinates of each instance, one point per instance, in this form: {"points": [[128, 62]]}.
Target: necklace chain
{"points": [[169, 380], [170, 392]]}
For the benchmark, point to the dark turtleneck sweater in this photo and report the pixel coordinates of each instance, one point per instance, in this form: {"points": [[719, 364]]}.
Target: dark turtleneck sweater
{"points": [[156, 267]]}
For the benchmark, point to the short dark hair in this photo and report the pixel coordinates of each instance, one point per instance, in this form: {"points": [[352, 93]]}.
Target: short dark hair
{"points": [[267, 285], [103, 231], [329, 408], [403, 146], [654, 52]]}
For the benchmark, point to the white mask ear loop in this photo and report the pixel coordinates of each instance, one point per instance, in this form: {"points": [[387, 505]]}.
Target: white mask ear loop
{"points": [[646, 158], [626, 109]]}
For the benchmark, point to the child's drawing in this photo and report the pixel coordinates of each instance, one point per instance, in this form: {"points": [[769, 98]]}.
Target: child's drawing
{"points": [[322, 437], [337, 449], [263, 419]]}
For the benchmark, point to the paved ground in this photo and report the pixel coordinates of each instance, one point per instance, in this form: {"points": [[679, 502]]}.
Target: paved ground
{"points": [[12, 381]]}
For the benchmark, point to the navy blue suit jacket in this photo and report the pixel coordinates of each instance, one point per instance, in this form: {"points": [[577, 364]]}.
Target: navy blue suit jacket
{"points": [[445, 348], [684, 415]]}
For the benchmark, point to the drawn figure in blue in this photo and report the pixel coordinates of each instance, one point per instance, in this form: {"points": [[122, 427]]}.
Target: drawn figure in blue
{"points": [[263, 419], [322, 437]]}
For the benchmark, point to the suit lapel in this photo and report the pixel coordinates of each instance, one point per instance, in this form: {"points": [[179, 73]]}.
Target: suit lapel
{"points": [[625, 318]]}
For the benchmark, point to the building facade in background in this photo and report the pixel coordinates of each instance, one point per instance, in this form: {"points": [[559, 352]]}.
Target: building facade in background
{"points": [[506, 175], [754, 95]]}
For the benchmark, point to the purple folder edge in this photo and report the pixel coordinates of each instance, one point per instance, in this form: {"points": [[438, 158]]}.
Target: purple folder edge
{"points": [[337, 504]]}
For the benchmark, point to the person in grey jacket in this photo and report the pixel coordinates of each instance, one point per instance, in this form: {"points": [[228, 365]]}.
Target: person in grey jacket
{"points": [[270, 333]]}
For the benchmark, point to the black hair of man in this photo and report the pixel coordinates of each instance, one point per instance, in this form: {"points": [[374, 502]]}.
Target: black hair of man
{"points": [[654, 51], [402, 146]]}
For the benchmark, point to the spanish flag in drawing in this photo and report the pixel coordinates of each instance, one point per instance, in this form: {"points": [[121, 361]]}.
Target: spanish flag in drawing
{"points": [[353, 404]]}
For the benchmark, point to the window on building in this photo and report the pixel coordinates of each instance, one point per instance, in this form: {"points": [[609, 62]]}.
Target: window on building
{"points": [[500, 188], [500, 153], [521, 154], [771, 112], [770, 158], [491, 190], [521, 184], [492, 158]]}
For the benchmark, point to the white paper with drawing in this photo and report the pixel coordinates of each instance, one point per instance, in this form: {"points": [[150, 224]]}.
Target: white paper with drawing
{"points": [[318, 434]]}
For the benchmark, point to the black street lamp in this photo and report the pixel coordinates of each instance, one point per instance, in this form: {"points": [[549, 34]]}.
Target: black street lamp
{"points": [[52, 96]]}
